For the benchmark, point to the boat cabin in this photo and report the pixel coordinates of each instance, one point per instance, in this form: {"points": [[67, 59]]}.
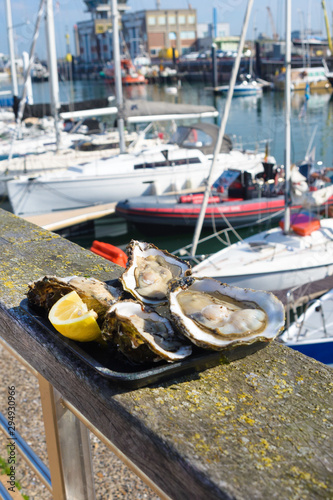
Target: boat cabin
{"points": [[248, 184]]}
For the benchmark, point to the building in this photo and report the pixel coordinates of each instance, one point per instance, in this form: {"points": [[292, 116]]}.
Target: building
{"points": [[154, 31], [94, 37], [143, 32], [227, 43], [206, 34]]}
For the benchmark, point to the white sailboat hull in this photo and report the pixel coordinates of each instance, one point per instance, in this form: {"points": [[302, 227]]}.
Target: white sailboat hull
{"points": [[280, 280], [119, 178], [40, 196], [312, 332], [273, 261]]}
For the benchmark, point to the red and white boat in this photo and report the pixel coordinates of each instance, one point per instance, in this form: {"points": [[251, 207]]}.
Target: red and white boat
{"points": [[129, 73], [183, 211]]}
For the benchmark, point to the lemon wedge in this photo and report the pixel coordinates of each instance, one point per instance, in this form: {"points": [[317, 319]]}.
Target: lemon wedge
{"points": [[70, 317]]}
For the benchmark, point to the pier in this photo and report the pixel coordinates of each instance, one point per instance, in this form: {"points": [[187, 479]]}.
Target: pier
{"points": [[256, 426]]}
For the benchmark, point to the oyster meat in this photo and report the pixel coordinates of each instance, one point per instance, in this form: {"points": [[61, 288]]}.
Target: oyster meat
{"points": [[149, 271], [215, 315], [97, 295], [143, 335]]}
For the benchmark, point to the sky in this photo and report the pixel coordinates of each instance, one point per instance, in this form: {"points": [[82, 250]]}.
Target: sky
{"points": [[67, 13]]}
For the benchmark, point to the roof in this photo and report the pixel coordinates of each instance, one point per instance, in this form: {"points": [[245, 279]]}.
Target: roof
{"points": [[139, 107]]}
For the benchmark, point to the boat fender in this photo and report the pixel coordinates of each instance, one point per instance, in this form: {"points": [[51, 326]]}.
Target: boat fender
{"points": [[302, 224], [109, 252]]}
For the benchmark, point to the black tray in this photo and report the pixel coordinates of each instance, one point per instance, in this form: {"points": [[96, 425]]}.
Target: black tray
{"points": [[114, 366]]}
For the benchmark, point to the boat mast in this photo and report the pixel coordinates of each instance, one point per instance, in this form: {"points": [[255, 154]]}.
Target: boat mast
{"points": [[53, 68], [287, 92], [11, 49], [22, 102], [218, 145], [117, 73]]}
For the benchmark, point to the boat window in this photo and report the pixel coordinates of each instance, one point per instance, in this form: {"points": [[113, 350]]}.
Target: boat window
{"points": [[226, 179], [260, 245], [179, 135], [191, 137], [180, 161]]}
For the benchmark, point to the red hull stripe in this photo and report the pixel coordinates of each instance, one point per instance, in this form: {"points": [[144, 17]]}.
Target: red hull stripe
{"points": [[229, 211]]}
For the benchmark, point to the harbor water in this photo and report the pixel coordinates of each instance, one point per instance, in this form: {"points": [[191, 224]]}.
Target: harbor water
{"points": [[253, 123]]}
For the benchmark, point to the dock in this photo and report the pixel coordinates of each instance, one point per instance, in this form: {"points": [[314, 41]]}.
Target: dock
{"points": [[64, 218]]}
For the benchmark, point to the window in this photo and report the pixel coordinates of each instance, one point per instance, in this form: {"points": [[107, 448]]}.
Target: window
{"points": [[181, 19], [161, 20], [172, 19], [153, 52], [187, 35], [191, 19], [151, 21], [172, 35]]}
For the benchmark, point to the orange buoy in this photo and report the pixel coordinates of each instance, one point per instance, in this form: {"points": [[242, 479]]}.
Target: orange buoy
{"points": [[109, 252]]}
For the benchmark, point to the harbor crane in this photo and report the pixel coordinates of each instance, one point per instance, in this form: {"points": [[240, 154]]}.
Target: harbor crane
{"points": [[329, 39], [270, 15]]}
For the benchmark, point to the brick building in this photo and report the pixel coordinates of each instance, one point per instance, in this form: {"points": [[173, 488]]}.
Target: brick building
{"points": [[145, 31], [152, 31]]}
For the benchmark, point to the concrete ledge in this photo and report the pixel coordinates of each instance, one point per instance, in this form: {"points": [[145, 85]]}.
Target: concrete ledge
{"points": [[257, 428]]}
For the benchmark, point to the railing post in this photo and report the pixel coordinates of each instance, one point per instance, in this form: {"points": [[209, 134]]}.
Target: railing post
{"points": [[68, 448]]}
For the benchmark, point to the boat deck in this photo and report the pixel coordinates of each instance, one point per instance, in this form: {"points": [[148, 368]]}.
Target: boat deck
{"points": [[303, 294]]}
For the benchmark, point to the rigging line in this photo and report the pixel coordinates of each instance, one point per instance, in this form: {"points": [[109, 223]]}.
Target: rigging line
{"points": [[227, 222], [223, 125], [25, 86]]}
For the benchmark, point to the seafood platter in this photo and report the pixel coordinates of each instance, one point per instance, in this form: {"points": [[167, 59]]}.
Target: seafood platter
{"points": [[158, 321]]}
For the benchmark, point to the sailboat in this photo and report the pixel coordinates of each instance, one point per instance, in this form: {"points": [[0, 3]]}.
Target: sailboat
{"points": [[166, 167], [312, 331], [294, 253], [104, 179]]}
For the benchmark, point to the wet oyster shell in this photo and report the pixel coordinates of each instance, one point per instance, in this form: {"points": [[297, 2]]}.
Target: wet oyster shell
{"points": [[149, 270], [143, 335], [46, 291], [213, 323]]}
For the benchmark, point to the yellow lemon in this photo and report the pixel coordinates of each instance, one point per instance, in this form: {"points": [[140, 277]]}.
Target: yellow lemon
{"points": [[70, 317]]}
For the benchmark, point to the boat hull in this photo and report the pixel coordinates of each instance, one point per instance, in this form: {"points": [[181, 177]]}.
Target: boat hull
{"points": [[321, 350], [272, 260], [279, 280], [168, 211], [34, 196]]}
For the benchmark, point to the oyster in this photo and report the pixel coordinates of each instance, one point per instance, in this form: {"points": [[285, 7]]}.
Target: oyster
{"points": [[149, 271], [215, 315], [143, 335], [46, 291]]}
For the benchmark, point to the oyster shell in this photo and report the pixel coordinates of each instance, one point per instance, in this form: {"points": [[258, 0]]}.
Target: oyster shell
{"points": [[46, 291], [215, 315], [149, 271], [143, 335]]}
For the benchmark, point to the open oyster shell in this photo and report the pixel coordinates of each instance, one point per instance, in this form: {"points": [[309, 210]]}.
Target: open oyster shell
{"points": [[149, 271], [143, 335], [46, 291], [215, 315]]}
